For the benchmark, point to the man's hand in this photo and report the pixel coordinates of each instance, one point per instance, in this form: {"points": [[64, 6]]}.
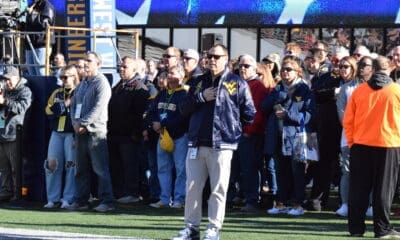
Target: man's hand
{"points": [[79, 129], [280, 114], [67, 102], [2, 99], [210, 94], [157, 127]]}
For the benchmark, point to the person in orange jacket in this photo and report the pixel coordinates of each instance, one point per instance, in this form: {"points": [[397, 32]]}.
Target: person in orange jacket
{"points": [[372, 129]]}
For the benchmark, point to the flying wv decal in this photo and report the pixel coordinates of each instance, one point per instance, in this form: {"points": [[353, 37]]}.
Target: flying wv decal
{"points": [[231, 87]]}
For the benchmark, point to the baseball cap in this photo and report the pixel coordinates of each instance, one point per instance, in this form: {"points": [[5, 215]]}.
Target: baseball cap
{"points": [[10, 71]]}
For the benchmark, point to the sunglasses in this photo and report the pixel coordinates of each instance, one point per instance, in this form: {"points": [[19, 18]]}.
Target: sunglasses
{"points": [[168, 56], [288, 52], [341, 66], [216, 57], [356, 55], [122, 66], [187, 58], [287, 69], [65, 77], [244, 65], [362, 65], [89, 60]]}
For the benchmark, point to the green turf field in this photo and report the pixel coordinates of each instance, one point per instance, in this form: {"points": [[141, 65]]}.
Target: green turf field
{"points": [[142, 221]]}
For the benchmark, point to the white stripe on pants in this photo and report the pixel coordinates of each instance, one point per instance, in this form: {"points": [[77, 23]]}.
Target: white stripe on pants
{"points": [[216, 164]]}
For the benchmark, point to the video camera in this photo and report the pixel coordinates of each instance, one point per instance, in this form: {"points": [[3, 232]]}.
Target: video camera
{"points": [[8, 22]]}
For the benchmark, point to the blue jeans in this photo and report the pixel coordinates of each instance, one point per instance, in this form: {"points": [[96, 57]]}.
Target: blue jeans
{"points": [[62, 150], [166, 163], [92, 149], [345, 178], [30, 59], [154, 184], [250, 158], [271, 174]]}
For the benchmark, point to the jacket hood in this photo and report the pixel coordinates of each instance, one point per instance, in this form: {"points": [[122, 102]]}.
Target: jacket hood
{"points": [[379, 80]]}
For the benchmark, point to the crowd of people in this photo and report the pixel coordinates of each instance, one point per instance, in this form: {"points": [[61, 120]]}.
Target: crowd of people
{"points": [[199, 127]]}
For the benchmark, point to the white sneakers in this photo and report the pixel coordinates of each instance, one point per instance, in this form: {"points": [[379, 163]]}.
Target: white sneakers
{"points": [[278, 210], [296, 211], [65, 204], [50, 205], [343, 211]]}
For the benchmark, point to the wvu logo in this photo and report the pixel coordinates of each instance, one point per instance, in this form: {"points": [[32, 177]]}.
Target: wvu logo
{"points": [[231, 87]]}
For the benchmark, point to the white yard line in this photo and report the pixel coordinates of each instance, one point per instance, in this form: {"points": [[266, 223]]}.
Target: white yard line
{"points": [[18, 233]]}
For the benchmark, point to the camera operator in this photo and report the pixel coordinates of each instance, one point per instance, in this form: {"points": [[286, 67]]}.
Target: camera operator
{"points": [[40, 15], [15, 99]]}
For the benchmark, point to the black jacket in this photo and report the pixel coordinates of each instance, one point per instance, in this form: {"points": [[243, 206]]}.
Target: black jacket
{"points": [[126, 108]]}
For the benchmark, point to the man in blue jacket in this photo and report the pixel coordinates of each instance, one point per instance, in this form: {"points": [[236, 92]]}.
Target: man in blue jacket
{"points": [[218, 111]]}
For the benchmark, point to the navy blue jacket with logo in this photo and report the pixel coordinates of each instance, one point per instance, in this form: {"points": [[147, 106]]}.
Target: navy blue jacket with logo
{"points": [[233, 109], [164, 109]]}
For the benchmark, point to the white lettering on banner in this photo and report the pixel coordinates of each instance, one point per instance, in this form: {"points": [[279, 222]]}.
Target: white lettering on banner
{"points": [[102, 5], [294, 11], [103, 17], [107, 51], [397, 21]]}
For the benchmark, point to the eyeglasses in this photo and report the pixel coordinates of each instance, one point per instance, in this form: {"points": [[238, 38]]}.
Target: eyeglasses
{"points": [[244, 65], [344, 66], [287, 69], [216, 57], [168, 56]]}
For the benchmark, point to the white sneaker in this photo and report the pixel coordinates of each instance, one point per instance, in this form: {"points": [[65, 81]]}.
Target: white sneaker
{"points": [[211, 234], [177, 205], [369, 212], [296, 211], [343, 210], [278, 210], [49, 205], [128, 199], [65, 204]]}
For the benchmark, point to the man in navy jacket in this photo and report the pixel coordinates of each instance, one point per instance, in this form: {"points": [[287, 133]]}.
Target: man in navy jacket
{"points": [[218, 111]]}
